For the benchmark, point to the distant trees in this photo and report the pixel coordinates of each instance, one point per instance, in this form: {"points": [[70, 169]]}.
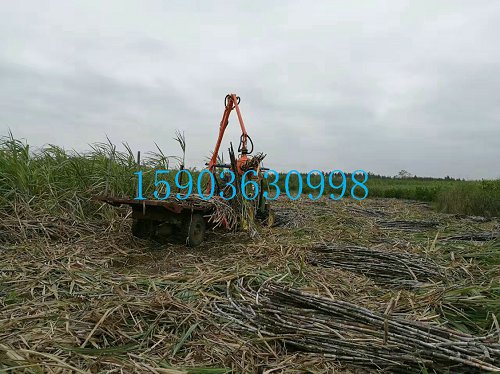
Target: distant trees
{"points": [[403, 174]]}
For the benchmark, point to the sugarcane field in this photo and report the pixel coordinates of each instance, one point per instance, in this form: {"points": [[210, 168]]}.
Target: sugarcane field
{"points": [[249, 187], [331, 287]]}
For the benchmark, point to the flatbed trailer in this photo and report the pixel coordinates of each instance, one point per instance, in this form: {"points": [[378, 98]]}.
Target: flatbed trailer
{"points": [[175, 219]]}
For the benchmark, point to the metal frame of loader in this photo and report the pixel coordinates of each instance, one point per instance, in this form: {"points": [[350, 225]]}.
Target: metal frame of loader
{"points": [[178, 219], [166, 220]]}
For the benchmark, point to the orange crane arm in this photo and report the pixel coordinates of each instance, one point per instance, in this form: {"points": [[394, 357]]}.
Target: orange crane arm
{"points": [[231, 103]]}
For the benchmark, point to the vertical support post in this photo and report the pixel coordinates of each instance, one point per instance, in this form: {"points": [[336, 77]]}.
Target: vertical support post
{"points": [[138, 169]]}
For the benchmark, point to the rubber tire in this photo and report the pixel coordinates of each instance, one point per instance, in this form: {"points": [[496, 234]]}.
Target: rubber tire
{"points": [[193, 230], [142, 228]]}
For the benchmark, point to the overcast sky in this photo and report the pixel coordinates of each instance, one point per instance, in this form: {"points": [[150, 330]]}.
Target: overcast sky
{"points": [[376, 85]]}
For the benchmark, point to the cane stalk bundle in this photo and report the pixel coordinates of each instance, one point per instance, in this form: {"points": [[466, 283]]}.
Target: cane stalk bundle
{"points": [[383, 266], [353, 334]]}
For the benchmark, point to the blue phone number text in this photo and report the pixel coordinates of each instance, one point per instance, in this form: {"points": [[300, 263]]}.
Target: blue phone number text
{"points": [[250, 188]]}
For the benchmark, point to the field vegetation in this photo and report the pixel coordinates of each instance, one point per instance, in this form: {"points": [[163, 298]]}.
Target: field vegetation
{"points": [[448, 195], [79, 294], [54, 179]]}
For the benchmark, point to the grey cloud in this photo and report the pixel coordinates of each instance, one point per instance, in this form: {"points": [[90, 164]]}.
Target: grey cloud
{"points": [[382, 86]]}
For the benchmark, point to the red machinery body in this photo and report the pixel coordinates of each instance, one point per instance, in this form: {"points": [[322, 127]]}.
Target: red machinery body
{"points": [[231, 102]]}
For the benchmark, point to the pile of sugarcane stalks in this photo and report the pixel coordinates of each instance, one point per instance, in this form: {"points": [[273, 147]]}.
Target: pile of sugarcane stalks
{"points": [[289, 217], [403, 225], [396, 269], [475, 236], [376, 213], [352, 334], [18, 228], [222, 212]]}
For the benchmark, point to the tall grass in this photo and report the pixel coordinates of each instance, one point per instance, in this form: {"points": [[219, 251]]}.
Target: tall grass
{"points": [[59, 182], [479, 198]]}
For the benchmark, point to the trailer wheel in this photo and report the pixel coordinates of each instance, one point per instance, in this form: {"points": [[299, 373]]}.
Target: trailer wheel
{"points": [[193, 230], [142, 228]]}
